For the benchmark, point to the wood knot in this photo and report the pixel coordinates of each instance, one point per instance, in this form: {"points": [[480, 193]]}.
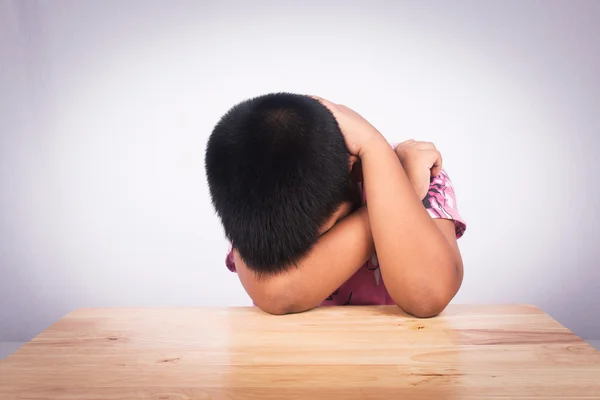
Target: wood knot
{"points": [[169, 360]]}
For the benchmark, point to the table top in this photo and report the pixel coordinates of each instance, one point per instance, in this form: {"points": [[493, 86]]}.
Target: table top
{"points": [[468, 352]]}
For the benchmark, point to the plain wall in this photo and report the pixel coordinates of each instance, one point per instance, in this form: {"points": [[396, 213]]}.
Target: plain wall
{"points": [[106, 106]]}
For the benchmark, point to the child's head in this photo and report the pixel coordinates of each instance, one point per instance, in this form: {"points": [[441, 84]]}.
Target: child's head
{"points": [[278, 173]]}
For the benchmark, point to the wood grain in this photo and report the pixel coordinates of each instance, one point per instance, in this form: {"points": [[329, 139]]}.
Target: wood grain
{"points": [[469, 352]]}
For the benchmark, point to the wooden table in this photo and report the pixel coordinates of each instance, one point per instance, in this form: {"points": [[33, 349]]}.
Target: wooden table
{"points": [[469, 352]]}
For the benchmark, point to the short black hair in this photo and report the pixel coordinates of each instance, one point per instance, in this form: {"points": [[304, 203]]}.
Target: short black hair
{"points": [[277, 169]]}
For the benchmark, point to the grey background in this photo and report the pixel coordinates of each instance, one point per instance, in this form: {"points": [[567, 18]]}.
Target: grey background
{"points": [[105, 108]]}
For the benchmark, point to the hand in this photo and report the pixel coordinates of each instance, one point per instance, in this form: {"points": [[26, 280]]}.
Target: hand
{"points": [[357, 131], [421, 162]]}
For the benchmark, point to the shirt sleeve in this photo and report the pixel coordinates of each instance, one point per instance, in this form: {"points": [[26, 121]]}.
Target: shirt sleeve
{"points": [[440, 202]]}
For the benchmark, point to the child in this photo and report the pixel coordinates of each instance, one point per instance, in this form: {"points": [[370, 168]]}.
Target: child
{"points": [[307, 190]]}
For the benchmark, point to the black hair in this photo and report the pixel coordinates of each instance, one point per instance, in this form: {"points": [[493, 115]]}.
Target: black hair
{"points": [[277, 169]]}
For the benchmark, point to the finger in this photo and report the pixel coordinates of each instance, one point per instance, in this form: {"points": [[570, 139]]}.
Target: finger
{"points": [[406, 142], [425, 146], [436, 168], [323, 101]]}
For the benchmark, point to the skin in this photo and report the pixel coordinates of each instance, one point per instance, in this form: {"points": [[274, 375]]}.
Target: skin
{"points": [[418, 256]]}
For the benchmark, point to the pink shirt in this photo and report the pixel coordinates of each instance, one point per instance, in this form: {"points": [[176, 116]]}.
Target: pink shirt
{"points": [[366, 286]]}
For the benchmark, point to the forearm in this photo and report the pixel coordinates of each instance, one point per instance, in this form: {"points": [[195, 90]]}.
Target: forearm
{"points": [[414, 256], [337, 255]]}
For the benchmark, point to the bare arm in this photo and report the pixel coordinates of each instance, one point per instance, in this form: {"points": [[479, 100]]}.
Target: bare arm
{"points": [[337, 255], [418, 256]]}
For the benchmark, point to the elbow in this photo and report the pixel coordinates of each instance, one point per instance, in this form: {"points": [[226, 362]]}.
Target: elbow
{"points": [[430, 298], [276, 294], [426, 301], [427, 309], [275, 304], [279, 300], [283, 308], [276, 308]]}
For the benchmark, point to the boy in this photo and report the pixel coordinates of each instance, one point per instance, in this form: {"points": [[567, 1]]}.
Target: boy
{"points": [[307, 190]]}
